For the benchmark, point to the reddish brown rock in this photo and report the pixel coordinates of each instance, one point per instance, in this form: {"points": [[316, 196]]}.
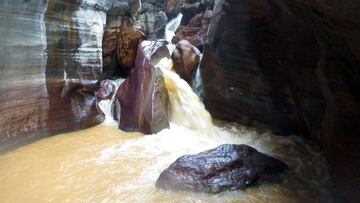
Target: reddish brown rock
{"points": [[106, 89], [227, 167], [196, 31], [127, 44], [110, 41], [186, 59], [143, 96], [294, 68], [72, 105], [120, 44]]}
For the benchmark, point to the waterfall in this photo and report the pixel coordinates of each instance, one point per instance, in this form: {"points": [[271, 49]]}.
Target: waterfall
{"points": [[172, 26], [106, 106], [197, 83], [185, 108]]}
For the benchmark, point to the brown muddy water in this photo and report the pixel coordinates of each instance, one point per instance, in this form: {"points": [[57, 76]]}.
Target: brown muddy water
{"points": [[104, 164]]}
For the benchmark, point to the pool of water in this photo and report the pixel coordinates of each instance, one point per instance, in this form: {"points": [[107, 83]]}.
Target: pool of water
{"points": [[105, 164]]}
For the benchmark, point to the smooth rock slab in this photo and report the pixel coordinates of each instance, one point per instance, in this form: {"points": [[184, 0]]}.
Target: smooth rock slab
{"points": [[227, 167], [143, 96]]}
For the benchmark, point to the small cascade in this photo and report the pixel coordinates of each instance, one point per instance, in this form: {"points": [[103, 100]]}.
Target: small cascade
{"points": [[185, 108], [172, 26], [106, 105], [197, 83]]}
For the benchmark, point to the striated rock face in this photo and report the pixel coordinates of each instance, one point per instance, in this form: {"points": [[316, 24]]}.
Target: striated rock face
{"points": [[186, 60], [23, 90], [152, 19], [227, 167], [292, 67], [51, 59], [143, 96]]}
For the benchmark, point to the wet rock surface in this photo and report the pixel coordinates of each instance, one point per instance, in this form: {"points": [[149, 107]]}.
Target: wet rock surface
{"points": [[105, 89], [196, 31], [291, 67], [152, 19], [119, 50], [143, 96], [227, 167], [111, 64], [51, 59], [185, 59], [128, 43], [126, 26]]}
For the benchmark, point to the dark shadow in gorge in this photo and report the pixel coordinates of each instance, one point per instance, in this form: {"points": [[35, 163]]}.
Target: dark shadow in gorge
{"points": [[291, 67]]}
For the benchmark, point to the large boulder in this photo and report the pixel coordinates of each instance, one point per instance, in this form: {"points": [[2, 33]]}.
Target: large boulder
{"points": [[120, 44], [143, 96], [127, 23], [128, 42], [227, 167], [186, 59]]}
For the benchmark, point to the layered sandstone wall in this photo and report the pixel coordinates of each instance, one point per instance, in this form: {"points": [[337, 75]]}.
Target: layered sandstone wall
{"points": [[51, 57]]}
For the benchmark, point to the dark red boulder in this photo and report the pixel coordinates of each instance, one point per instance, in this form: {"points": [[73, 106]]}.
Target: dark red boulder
{"points": [[227, 167], [186, 59], [106, 90], [127, 45], [120, 44], [143, 96]]}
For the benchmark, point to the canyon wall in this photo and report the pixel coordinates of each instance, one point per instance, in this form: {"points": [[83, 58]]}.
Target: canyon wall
{"points": [[51, 59], [292, 67]]}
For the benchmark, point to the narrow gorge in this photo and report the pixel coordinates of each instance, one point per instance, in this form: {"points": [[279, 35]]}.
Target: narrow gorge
{"points": [[179, 101]]}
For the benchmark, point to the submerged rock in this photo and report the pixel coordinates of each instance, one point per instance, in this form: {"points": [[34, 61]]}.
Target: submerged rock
{"points": [[186, 59], [227, 167], [143, 96]]}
